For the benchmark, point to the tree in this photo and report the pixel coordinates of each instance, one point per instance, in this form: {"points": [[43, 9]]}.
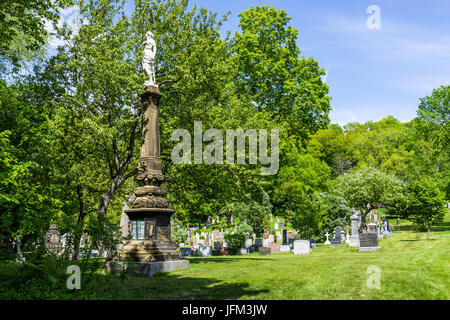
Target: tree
{"points": [[299, 178], [273, 77], [426, 203], [337, 212], [23, 26], [368, 188]]}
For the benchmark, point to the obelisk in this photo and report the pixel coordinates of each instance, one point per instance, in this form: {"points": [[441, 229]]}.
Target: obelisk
{"points": [[150, 247]]}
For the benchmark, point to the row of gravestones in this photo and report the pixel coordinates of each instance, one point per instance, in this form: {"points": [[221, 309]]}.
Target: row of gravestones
{"points": [[57, 243], [366, 241], [259, 245]]}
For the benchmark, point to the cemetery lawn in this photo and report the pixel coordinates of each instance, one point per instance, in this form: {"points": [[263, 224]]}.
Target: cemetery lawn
{"points": [[411, 268]]}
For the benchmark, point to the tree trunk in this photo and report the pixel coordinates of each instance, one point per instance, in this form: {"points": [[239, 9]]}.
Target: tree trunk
{"points": [[106, 197], [80, 224], [428, 233]]}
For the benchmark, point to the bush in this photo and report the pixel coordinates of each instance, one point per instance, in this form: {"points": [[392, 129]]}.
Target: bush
{"points": [[244, 229], [235, 242]]}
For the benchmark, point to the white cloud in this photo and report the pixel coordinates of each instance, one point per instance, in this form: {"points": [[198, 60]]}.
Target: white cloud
{"points": [[341, 116], [69, 16]]}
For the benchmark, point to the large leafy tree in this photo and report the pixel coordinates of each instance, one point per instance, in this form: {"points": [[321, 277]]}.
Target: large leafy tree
{"points": [[273, 76], [297, 185], [368, 188], [426, 203]]}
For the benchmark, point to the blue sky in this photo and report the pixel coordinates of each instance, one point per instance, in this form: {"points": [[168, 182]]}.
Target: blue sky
{"points": [[371, 73]]}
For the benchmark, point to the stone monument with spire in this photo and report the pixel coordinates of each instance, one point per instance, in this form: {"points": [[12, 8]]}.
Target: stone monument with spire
{"points": [[148, 214]]}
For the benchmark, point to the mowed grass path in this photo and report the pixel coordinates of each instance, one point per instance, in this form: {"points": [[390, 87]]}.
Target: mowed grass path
{"points": [[411, 268]]}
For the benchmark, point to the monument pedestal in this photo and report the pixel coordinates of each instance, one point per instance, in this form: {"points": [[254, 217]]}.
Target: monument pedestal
{"points": [[147, 221], [146, 269], [354, 241]]}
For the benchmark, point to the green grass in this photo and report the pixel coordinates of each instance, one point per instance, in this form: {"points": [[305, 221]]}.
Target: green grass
{"points": [[411, 268]]}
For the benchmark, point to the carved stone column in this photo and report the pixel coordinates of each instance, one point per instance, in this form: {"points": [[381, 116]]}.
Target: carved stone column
{"points": [[149, 214]]}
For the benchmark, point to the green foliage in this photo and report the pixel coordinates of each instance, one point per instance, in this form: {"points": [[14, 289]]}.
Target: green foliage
{"points": [[368, 186], [234, 242], [426, 203], [338, 213], [273, 76], [178, 233], [299, 178], [244, 229]]}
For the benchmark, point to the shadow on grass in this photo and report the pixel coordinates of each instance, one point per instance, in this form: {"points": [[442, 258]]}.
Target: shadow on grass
{"points": [[175, 287], [222, 260], [412, 240], [438, 227]]}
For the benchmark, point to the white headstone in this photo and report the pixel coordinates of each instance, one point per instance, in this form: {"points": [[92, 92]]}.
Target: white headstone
{"points": [[302, 247], [205, 251], [327, 241]]}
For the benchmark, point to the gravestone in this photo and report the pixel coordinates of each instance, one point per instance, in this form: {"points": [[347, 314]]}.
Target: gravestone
{"points": [[218, 245], [186, 252], [205, 251], [368, 242], [302, 247], [312, 243], [285, 241], [271, 238], [274, 248], [181, 245], [398, 221], [243, 251], [337, 240], [327, 241], [379, 233], [291, 242], [258, 242], [354, 238], [276, 226], [266, 243], [248, 242], [264, 251], [372, 228], [52, 239], [251, 249]]}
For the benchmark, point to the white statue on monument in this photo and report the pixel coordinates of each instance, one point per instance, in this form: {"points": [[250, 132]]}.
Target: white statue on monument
{"points": [[148, 60]]}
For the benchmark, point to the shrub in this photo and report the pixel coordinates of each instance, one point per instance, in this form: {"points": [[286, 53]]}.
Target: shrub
{"points": [[234, 242]]}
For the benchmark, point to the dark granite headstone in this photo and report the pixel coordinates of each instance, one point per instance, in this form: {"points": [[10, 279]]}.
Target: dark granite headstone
{"points": [[258, 243], [185, 252], [291, 242], [218, 245], [312, 243], [368, 240], [285, 238], [337, 239]]}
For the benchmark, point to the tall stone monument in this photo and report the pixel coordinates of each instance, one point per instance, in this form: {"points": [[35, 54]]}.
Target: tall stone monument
{"points": [[148, 215], [354, 238]]}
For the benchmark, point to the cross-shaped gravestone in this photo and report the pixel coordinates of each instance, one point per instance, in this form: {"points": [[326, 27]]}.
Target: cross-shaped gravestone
{"points": [[327, 241]]}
